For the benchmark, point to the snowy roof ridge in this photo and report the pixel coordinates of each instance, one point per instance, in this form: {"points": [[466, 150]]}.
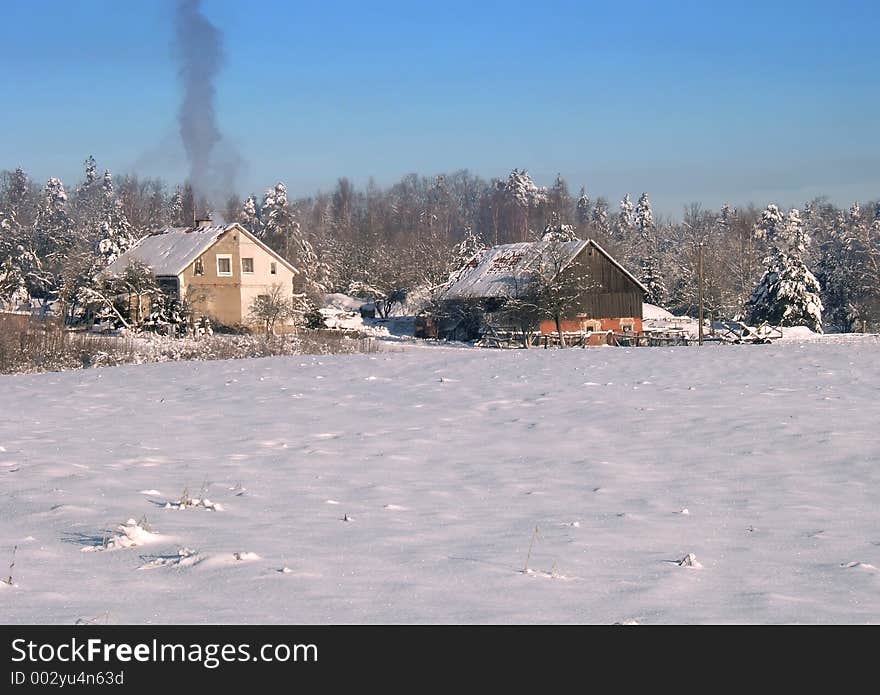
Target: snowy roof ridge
{"points": [[503, 271], [170, 250]]}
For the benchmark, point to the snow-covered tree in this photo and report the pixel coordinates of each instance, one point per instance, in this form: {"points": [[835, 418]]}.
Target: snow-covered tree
{"points": [[651, 277], [522, 196], [18, 261], [463, 254], [175, 209], [280, 225], [559, 232], [249, 217], [644, 218], [788, 293], [625, 218], [583, 213], [559, 200], [54, 236], [115, 234], [599, 218], [86, 201], [281, 230]]}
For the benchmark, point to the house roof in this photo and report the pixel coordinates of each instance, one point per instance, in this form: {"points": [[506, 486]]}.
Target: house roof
{"points": [[170, 251], [506, 270]]}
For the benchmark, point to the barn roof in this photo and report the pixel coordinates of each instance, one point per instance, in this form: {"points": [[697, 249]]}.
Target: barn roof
{"points": [[506, 270], [171, 250]]}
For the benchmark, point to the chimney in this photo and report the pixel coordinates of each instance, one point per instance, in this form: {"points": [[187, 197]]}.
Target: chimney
{"points": [[203, 223]]}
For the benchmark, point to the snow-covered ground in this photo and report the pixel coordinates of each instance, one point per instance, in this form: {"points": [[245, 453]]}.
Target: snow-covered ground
{"points": [[406, 487]]}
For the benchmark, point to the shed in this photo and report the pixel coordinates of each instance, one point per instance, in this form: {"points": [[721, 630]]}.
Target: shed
{"points": [[495, 285]]}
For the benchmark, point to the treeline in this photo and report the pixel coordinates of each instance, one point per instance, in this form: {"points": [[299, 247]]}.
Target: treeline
{"points": [[813, 266]]}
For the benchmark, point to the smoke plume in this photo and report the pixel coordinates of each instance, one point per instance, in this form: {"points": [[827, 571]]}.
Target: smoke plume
{"points": [[199, 52]]}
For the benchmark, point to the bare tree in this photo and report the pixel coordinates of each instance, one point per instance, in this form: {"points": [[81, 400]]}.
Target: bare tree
{"points": [[274, 306]]}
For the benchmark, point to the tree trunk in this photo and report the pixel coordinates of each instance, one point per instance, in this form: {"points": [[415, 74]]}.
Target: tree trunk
{"points": [[558, 319]]}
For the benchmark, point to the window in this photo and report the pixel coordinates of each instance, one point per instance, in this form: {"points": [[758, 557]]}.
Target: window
{"points": [[247, 265], [273, 268], [224, 265], [198, 267]]}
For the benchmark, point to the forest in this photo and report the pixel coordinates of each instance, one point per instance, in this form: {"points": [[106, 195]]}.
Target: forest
{"points": [[817, 265]]}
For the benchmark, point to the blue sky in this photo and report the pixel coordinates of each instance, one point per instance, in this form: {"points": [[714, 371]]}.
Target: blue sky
{"points": [[690, 101]]}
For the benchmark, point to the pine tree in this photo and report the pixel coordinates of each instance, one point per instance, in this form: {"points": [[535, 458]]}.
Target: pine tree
{"points": [[53, 237], [582, 213], [18, 261], [651, 277], [558, 232], [115, 235], [280, 226], [788, 293], [559, 200], [175, 209], [625, 223], [644, 219], [599, 222], [248, 216]]}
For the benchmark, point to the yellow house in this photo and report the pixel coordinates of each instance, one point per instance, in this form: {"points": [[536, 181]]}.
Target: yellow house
{"points": [[219, 269]]}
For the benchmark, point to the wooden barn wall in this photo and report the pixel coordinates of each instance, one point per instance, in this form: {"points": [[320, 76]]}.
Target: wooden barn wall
{"points": [[610, 294]]}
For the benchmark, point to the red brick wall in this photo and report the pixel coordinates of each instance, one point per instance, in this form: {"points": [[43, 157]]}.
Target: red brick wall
{"points": [[579, 325]]}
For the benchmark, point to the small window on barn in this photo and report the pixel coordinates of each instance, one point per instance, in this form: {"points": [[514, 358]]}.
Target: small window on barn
{"points": [[224, 265], [247, 265], [198, 267], [273, 268]]}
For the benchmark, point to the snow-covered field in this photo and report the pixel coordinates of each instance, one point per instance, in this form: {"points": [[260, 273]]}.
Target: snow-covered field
{"points": [[406, 487]]}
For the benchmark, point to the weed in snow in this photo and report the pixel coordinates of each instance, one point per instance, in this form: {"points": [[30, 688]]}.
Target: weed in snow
{"points": [[8, 581], [183, 558], [187, 502], [130, 534], [245, 557], [689, 560], [103, 619]]}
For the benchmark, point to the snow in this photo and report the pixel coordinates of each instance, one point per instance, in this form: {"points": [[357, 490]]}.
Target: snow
{"points": [[771, 449], [170, 251], [649, 311], [505, 270]]}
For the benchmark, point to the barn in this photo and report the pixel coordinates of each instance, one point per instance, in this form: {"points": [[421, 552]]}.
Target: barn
{"points": [[540, 288]]}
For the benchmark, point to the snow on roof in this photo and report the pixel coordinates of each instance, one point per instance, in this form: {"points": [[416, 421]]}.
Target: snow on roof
{"points": [[171, 250], [504, 271], [651, 311]]}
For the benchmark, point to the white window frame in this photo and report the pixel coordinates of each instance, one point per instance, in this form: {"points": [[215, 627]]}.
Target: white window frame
{"points": [[247, 272], [227, 256]]}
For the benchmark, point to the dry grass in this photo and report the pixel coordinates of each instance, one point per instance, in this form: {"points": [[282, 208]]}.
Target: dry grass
{"points": [[30, 345]]}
